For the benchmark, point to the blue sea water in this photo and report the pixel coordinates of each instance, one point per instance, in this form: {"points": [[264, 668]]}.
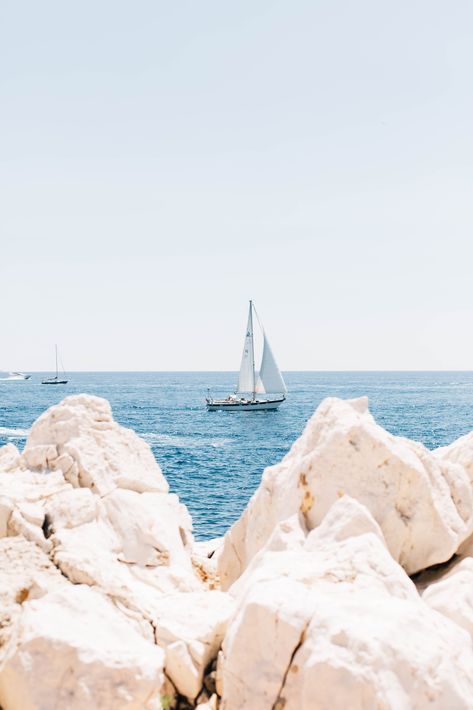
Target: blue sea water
{"points": [[214, 460]]}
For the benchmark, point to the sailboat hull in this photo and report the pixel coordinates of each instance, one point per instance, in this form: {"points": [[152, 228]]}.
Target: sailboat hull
{"points": [[243, 406], [54, 382]]}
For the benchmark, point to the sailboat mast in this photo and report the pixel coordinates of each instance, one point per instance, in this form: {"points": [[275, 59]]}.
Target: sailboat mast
{"points": [[252, 349], [56, 362]]}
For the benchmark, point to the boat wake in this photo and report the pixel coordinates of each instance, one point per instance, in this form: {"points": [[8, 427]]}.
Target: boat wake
{"points": [[184, 442], [14, 433]]}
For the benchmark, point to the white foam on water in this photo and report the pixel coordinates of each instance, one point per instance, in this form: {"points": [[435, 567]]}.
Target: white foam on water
{"points": [[184, 442], [14, 433]]}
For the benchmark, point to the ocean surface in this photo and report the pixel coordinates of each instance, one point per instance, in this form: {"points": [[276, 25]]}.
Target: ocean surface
{"points": [[214, 460]]}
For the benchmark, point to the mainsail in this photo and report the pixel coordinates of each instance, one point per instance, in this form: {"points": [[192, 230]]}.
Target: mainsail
{"points": [[246, 381], [270, 380]]}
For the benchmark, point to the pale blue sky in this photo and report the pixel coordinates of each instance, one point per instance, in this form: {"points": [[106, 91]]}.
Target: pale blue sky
{"points": [[163, 162]]}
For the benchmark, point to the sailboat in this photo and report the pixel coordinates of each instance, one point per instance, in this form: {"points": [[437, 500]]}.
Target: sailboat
{"points": [[263, 390], [55, 380]]}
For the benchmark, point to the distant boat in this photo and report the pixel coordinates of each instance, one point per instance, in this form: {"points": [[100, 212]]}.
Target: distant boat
{"points": [[55, 380], [17, 376], [256, 391]]}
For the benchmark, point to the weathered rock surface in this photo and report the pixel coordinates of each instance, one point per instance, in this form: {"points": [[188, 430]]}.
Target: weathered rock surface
{"points": [[459, 452], [335, 622], [106, 600], [89, 499], [453, 594], [191, 627], [423, 504], [80, 437], [72, 649]]}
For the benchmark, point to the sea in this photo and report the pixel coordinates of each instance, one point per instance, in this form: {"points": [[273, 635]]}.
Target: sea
{"points": [[214, 460]]}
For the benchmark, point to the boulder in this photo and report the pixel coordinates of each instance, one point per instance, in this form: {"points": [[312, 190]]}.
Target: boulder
{"points": [[335, 622], [190, 627], [92, 554], [9, 458], [423, 504], [25, 573], [72, 649], [452, 595], [459, 452], [79, 437], [153, 528], [23, 495]]}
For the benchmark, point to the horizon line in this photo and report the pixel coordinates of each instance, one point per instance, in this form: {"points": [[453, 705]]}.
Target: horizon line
{"points": [[236, 371]]}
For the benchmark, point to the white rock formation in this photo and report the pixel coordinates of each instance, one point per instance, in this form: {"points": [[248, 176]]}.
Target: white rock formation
{"points": [[459, 452], [96, 502], [453, 594], [106, 600], [191, 627], [335, 622], [72, 649], [80, 438], [9, 458], [25, 573], [423, 504]]}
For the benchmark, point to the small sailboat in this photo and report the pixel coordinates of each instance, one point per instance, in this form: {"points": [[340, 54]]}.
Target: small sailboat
{"points": [[256, 391], [55, 380]]}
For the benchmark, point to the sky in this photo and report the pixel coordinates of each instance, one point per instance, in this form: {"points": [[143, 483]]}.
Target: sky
{"points": [[163, 162]]}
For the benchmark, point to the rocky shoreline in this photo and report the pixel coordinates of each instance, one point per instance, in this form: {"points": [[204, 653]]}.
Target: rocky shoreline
{"points": [[346, 583]]}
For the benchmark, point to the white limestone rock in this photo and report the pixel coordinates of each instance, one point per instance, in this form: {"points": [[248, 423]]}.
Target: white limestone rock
{"points": [[335, 622], [153, 528], [452, 595], [210, 704], [23, 495], [423, 504], [73, 507], [190, 627], [25, 573], [10, 458], [459, 452], [80, 437], [92, 554], [26, 486], [72, 649]]}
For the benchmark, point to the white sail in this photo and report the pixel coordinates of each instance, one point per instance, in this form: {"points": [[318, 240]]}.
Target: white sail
{"points": [[246, 381], [270, 380]]}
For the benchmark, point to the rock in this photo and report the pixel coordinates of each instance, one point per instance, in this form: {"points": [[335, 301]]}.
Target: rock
{"points": [[423, 504], [336, 623], [22, 498], [190, 627], [92, 554], [72, 649], [452, 596], [17, 525], [9, 458], [23, 487], [207, 548], [25, 573], [73, 507], [6, 509], [153, 528], [210, 704], [459, 452], [79, 437]]}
